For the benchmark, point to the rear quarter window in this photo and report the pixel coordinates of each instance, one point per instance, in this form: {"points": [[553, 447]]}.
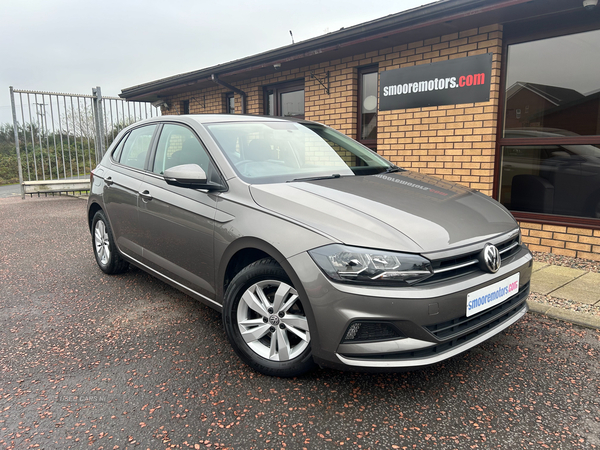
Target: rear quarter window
{"points": [[116, 154]]}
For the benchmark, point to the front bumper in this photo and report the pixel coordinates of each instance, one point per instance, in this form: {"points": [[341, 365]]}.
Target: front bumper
{"points": [[432, 318], [416, 353]]}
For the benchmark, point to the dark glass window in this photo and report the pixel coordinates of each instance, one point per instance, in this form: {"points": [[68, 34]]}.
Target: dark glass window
{"points": [[230, 103], [553, 86], [559, 180], [185, 107], [550, 145], [286, 100], [136, 147], [367, 118]]}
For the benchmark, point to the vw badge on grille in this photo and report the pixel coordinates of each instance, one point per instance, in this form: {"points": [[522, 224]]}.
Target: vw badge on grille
{"points": [[491, 258]]}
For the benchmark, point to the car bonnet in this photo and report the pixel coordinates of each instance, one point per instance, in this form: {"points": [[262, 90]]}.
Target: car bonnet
{"points": [[402, 211]]}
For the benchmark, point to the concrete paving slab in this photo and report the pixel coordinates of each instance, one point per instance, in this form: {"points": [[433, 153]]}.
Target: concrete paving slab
{"points": [[585, 289], [550, 278], [539, 266], [582, 319]]}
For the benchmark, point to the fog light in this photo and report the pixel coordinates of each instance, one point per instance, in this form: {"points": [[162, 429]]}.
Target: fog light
{"points": [[371, 331], [352, 330]]}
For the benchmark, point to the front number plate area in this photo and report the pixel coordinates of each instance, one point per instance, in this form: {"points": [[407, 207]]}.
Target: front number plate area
{"points": [[492, 295]]}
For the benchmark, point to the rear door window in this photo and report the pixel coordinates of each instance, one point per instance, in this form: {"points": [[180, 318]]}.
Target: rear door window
{"points": [[137, 146]]}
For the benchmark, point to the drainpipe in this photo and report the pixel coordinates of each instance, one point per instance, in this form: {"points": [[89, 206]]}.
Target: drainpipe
{"points": [[231, 88]]}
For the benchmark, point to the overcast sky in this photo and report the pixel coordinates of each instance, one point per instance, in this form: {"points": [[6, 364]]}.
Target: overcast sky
{"points": [[73, 45]]}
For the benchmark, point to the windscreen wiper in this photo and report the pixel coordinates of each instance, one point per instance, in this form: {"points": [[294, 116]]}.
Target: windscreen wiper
{"points": [[322, 177], [394, 169]]}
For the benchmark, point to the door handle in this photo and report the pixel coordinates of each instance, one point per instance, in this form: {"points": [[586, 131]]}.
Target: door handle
{"points": [[145, 195], [109, 181]]}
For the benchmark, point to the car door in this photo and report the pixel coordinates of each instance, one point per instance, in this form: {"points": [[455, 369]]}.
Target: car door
{"points": [[178, 222], [122, 182]]}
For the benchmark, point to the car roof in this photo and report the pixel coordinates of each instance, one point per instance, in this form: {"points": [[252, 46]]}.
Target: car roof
{"points": [[224, 118]]}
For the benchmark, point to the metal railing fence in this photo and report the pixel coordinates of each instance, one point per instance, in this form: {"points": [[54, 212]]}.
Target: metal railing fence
{"points": [[63, 136]]}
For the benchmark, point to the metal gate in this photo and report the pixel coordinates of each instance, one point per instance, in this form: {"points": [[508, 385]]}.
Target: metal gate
{"points": [[59, 138]]}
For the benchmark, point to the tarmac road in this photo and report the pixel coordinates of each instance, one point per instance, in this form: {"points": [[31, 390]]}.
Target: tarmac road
{"points": [[10, 190], [92, 361]]}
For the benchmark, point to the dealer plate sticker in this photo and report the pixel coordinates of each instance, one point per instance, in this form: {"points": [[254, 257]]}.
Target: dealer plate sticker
{"points": [[492, 295]]}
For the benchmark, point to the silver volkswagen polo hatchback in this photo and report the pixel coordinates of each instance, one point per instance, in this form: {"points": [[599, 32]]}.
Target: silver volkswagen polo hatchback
{"points": [[315, 249]]}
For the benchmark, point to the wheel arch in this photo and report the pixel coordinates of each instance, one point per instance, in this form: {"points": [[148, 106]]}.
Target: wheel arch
{"points": [[243, 252], [92, 210]]}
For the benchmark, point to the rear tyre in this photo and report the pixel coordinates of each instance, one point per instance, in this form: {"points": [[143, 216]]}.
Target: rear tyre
{"points": [[265, 321], [105, 250]]}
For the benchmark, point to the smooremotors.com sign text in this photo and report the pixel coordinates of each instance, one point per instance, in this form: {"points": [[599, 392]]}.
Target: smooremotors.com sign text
{"points": [[462, 80]]}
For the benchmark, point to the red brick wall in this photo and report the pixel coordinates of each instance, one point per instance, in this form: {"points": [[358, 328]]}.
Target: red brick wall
{"points": [[562, 240]]}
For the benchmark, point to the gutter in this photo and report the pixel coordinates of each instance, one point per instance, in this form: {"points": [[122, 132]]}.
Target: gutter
{"points": [[241, 93]]}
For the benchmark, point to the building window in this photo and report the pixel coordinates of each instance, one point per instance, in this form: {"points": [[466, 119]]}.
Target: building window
{"points": [[185, 107], [367, 106], [286, 100], [550, 144], [230, 103]]}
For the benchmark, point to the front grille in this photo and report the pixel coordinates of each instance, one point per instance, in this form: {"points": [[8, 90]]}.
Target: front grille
{"points": [[457, 266], [461, 325], [509, 248], [472, 327]]}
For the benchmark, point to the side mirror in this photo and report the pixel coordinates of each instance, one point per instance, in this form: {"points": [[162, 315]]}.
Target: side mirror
{"points": [[190, 175]]}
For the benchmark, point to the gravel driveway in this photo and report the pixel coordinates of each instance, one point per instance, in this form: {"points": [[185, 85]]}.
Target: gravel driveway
{"points": [[92, 361]]}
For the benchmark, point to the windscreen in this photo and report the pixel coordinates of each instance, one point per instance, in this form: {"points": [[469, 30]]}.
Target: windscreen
{"points": [[269, 152]]}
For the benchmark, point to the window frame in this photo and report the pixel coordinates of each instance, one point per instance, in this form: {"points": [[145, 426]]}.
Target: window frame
{"points": [[185, 107], [228, 97], [537, 30], [371, 143], [282, 88]]}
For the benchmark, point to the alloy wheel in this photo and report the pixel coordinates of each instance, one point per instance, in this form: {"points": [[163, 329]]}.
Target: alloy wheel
{"points": [[272, 322], [102, 242]]}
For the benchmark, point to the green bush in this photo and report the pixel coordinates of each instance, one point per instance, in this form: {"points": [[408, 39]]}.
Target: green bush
{"points": [[44, 158]]}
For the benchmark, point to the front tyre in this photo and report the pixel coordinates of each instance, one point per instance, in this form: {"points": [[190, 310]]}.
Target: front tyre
{"points": [[105, 250], [265, 321]]}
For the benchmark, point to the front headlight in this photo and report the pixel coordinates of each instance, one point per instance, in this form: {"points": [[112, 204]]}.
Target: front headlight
{"points": [[370, 267]]}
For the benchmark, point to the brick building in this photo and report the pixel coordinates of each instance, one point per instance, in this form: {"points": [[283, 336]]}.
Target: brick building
{"points": [[533, 143]]}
